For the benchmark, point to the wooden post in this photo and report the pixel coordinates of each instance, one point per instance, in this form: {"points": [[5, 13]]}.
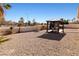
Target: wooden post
{"points": [[47, 26], [63, 27], [58, 23]]}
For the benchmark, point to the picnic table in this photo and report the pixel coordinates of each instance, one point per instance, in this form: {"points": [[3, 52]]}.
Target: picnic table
{"points": [[55, 26]]}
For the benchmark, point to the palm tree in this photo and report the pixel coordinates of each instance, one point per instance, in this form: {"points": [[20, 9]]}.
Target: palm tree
{"points": [[2, 6]]}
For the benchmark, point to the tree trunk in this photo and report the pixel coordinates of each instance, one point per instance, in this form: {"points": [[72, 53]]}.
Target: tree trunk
{"points": [[19, 30], [1, 15]]}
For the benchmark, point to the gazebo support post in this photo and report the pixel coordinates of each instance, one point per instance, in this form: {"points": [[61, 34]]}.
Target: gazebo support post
{"points": [[47, 26]]}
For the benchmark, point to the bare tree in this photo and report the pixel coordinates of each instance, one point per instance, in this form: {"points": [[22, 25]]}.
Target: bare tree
{"points": [[29, 22], [20, 23]]}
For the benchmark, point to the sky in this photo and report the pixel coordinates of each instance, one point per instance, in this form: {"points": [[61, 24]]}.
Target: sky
{"points": [[41, 12]]}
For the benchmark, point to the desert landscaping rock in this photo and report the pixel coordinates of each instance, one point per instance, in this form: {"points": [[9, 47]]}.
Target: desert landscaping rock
{"points": [[30, 44]]}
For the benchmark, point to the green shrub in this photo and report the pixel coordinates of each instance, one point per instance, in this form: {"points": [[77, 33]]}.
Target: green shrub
{"points": [[66, 22]]}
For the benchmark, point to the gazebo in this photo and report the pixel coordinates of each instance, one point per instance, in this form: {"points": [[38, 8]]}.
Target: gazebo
{"points": [[55, 26]]}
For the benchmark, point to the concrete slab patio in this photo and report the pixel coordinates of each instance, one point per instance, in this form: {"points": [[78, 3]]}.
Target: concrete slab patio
{"points": [[32, 43]]}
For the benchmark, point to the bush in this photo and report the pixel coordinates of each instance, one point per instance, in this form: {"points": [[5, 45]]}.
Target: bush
{"points": [[41, 27], [44, 27], [11, 28], [66, 22]]}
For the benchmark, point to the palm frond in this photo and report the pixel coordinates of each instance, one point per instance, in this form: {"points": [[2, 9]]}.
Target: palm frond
{"points": [[7, 6]]}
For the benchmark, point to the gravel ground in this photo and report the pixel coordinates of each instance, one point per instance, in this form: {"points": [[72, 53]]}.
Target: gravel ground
{"points": [[42, 44]]}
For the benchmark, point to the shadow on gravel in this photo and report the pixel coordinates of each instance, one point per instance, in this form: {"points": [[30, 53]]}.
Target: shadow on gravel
{"points": [[4, 40], [52, 36]]}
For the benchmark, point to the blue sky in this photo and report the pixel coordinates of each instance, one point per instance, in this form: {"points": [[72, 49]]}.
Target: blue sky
{"points": [[41, 11]]}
